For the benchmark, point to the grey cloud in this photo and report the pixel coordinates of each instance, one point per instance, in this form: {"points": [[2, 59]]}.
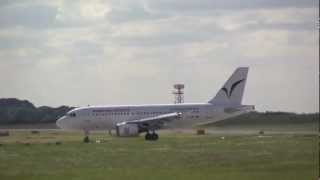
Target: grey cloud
{"points": [[134, 13], [262, 25], [19, 39], [309, 26], [4, 3], [33, 16], [166, 38], [207, 5], [86, 52]]}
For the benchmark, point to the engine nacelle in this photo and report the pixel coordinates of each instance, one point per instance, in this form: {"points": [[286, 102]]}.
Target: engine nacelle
{"points": [[126, 130]]}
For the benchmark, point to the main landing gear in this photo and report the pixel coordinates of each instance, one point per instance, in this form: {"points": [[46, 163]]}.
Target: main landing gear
{"points": [[151, 136]]}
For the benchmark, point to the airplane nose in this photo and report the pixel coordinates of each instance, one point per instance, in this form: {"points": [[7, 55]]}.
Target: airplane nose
{"points": [[60, 123]]}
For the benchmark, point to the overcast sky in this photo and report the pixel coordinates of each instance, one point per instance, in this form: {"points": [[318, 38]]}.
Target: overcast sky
{"points": [[131, 52]]}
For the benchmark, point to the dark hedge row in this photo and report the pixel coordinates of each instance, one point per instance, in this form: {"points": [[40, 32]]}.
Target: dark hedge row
{"points": [[254, 118], [14, 111]]}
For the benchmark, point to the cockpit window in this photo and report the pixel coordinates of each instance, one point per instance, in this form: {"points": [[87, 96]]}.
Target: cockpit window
{"points": [[72, 114]]}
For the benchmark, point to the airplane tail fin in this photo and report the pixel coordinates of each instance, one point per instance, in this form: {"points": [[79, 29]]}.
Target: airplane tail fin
{"points": [[232, 91]]}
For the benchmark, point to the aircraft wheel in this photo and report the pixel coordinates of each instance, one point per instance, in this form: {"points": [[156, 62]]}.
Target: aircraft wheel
{"points": [[155, 137], [151, 137], [86, 139], [148, 136]]}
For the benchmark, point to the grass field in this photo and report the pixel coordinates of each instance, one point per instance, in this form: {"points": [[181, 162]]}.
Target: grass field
{"points": [[175, 156]]}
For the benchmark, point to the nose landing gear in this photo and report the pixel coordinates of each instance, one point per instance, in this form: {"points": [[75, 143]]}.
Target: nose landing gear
{"points": [[86, 136]]}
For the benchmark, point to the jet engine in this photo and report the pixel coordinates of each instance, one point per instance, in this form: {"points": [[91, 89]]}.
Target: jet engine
{"points": [[127, 130]]}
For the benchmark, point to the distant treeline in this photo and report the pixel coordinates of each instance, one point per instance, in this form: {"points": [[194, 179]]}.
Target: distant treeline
{"points": [[15, 111], [265, 118]]}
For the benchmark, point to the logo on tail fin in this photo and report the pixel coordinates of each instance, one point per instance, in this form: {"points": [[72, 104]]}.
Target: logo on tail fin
{"points": [[233, 86]]}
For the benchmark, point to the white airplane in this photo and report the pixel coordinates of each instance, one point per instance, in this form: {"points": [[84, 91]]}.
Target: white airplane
{"points": [[131, 120]]}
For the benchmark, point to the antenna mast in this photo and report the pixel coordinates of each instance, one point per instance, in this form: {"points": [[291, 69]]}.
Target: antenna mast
{"points": [[178, 93]]}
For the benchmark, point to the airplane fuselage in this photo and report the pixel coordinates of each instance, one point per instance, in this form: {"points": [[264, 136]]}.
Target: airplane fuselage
{"points": [[106, 117]]}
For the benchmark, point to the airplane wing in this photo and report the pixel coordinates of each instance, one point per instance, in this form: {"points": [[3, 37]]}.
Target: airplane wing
{"points": [[153, 123]]}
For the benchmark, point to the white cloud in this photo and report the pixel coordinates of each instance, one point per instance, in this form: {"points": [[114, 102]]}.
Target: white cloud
{"points": [[82, 11]]}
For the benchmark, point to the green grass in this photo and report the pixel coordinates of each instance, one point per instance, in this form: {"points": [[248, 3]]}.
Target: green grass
{"points": [[174, 156]]}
